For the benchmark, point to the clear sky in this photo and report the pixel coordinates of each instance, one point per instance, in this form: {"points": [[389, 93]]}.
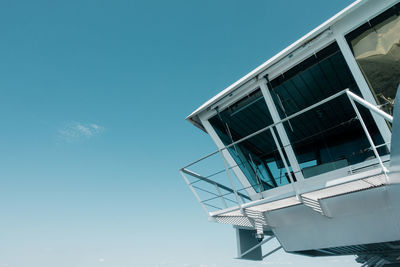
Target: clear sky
{"points": [[93, 97]]}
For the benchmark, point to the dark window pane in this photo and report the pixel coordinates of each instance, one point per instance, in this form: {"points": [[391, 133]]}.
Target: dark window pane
{"points": [[258, 156], [328, 137]]}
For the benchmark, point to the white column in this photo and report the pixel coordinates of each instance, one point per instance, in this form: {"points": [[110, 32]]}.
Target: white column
{"points": [[229, 159], [362, 85], [281, 130]]}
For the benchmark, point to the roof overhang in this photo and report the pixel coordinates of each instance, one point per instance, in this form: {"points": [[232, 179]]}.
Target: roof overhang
{"points": [[194, 116]]}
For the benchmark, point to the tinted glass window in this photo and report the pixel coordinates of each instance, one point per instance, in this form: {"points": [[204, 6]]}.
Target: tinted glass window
{"points": [[258, 156], [376, 48], [330, 136]]}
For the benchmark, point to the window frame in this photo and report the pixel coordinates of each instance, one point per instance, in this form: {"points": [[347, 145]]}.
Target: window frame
{"points": [[336, 33]]}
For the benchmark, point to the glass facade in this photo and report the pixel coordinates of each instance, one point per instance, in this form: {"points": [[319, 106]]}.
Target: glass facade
{"points": [[326, 138], [376, 48], [258, 156]]}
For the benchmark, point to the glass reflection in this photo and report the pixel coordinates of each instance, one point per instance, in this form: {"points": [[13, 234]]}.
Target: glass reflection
{"points": [[376, 47]]}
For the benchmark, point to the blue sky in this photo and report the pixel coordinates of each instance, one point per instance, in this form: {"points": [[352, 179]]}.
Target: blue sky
{"points": [[93, 96]]}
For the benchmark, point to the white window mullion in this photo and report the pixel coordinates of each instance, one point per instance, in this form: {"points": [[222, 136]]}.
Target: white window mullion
{"points": [[362, 85], [281, 131], [229, 159]]}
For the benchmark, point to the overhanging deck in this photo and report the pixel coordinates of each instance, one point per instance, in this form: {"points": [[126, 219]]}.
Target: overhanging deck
{"points": [[311, 199]]}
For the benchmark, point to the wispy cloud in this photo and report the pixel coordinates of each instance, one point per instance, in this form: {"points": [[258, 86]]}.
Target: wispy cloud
{"points": [[77, 131]]}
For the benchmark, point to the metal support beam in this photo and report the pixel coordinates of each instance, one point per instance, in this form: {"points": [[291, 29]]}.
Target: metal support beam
{"points": [[272, 252], [281, 130], [256, 246]]}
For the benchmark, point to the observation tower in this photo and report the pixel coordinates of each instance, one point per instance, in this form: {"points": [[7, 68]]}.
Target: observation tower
{"points": [[309, 144]]}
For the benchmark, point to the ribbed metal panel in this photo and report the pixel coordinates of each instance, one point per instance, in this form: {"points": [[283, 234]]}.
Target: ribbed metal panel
{"points": [[235, 220]]}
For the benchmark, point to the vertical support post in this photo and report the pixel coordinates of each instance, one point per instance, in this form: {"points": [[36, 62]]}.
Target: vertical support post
{"points": [[220, 195], [285, 163], [281, 130], [260, 189], [245, 241], [232, 163], [194, 193], [231, 181], [371, 142]]}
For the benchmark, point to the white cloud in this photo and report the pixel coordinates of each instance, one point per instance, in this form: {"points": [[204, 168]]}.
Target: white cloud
{"points": [[77, 131], [101, 260]]}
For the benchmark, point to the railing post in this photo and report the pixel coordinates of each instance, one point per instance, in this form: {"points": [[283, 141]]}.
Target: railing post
{"points": [[255, 169], [231, 180], [220, 195], [285, 163], [371, 142], [194, 193]]}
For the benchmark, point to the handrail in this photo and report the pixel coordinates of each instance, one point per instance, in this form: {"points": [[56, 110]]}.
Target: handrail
{"points": [[270, 126], [347, 91], [371, 142], [352, 98], [213, 183], [370, 106]]}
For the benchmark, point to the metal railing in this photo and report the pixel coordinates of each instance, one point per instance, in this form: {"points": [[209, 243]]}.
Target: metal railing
{"points": [[233, 186]]}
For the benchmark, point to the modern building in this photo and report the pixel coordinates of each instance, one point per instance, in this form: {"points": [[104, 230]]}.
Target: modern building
{"points": [[309, 143]]}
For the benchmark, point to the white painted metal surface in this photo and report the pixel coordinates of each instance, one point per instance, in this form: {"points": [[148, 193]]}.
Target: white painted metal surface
{"points": [[290, 49]]}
